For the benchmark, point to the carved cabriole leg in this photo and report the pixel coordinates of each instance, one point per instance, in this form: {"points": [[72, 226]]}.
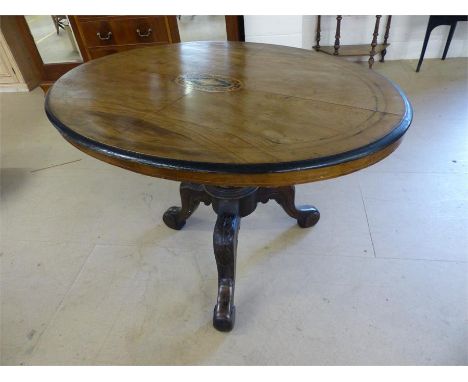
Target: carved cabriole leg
{"points": [[191, 196], [306, 216], [225, 250], [231, 204]]}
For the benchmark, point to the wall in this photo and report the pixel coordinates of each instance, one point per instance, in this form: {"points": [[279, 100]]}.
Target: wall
{"points": [[280, 30], [406, 34]]}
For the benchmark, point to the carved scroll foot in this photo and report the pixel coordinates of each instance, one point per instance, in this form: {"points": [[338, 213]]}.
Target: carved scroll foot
{"points": [[231, 204], [306, 216], [225, 249], [191, 196]]}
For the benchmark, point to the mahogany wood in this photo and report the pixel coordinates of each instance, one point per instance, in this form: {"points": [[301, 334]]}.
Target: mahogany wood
{"points": [[235, 28], [102, 35]]}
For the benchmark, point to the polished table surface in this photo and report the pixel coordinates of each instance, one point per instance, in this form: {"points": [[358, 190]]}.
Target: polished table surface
{"points": [[237, 123], [206, 112]]}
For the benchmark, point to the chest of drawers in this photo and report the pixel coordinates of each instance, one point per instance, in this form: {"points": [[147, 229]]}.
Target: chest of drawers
{"points": [[98, 36]]}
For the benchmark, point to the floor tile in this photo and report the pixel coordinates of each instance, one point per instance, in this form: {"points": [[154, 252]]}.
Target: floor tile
{"points": [[35, 277], [291, 309], [419, 216]]}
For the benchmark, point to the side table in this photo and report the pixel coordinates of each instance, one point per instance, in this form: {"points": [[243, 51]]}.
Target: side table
{"points": [[435, 21]]}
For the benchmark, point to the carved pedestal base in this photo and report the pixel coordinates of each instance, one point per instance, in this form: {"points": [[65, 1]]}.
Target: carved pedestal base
{"points": [[231, 204]]}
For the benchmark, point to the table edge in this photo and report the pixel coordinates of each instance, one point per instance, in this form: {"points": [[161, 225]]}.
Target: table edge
{"points": [[234, 168]]}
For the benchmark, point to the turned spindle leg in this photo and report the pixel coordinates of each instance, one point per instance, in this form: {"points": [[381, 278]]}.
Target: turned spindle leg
{"points": [[191, 196], [337, 34], [374, 41], [317, 35], [387, 33]]}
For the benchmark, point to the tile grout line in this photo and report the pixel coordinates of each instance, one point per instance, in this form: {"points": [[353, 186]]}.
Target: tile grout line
{"points": [[55, 165], [367, 219], [419, 259], [60, 304]]}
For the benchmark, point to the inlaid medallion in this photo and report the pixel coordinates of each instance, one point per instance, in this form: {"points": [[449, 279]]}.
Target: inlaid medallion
{"points": [[208, 82]]}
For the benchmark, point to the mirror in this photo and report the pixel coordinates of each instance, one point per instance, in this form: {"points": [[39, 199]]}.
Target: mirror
{"points": [[54, 38]]}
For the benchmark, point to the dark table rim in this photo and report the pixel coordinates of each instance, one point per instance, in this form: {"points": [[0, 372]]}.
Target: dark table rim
{"points": [[241, 168]]}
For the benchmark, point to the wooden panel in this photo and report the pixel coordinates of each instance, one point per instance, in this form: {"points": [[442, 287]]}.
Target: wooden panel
{"points": [[235, 28], [171, 22], [90, 29], [7, 74], [237, 115], [353, 50], [104, 51], [21, 44], [143, 30], [117, 31], [52, 72]]}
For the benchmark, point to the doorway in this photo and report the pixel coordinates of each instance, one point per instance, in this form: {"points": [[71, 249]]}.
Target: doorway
{"points": [[210, 28]]}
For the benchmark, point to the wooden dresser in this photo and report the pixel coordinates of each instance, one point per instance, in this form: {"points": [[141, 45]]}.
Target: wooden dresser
{"points": [[99, 36]]}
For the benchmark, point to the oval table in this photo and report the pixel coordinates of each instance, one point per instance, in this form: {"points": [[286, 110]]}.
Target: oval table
{"points": [[236, 123]]}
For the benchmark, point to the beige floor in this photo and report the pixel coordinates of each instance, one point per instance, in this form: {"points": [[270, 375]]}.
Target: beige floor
{"points": [[53, 47], [91, 275], [202, 28]]}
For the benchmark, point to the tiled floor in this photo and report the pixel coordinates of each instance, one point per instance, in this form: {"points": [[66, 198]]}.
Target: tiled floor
{"points": [[91, 275], [202, 28]]}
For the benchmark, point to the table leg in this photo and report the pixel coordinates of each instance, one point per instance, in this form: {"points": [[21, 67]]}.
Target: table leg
{"points": [[306, 216], [430, 26], [225, 249], [230, 205], [449, 39], [191, 196]]}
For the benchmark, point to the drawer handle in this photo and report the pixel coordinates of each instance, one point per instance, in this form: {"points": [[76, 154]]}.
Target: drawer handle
{"points": [[109, 35], [144, 34]]}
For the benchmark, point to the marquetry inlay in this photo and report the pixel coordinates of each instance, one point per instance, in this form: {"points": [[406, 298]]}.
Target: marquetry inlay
{"points": [[208, 82]]}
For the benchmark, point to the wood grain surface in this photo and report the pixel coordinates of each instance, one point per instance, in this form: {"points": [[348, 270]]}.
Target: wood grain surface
{"points": [[297, 116]]}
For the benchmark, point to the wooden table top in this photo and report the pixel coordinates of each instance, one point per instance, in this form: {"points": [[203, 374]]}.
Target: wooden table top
{"points": [[229, 113]]}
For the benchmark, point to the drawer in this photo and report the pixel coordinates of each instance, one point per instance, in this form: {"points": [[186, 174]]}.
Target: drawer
{"points": [[90, 30], [122, 31], [106, 50], [143, 30]]}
